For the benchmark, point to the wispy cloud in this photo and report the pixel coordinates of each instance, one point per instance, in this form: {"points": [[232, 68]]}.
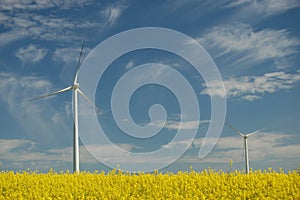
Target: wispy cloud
{"points": [[112, 13], [9, 5], [7, 37], [176, 125], [68, 55], [31, 85], [254, 87], [49, 27], [31, 53], [43, 27], [129, 65], [36, 119], [265, 7], [246, 46], [159, 73]]}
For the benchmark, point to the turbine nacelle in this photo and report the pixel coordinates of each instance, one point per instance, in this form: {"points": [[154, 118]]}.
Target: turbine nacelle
{"points": [[75, 86]]}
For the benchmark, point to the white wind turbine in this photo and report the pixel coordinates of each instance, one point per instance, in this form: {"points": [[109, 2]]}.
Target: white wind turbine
{"points": [[76, 90], [245, 136]]}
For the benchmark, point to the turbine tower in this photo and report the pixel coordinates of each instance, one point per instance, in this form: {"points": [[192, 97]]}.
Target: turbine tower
{"points": [[245, 136], [76, 90]]}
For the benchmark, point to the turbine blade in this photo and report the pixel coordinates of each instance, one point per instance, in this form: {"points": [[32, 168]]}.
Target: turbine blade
{"points": [[88, 100], [254, 132], [53, 93], [79, 62], [237, 131]]}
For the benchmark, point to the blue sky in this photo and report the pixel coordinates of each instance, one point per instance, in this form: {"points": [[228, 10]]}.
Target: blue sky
{"points": [[255, 45]]}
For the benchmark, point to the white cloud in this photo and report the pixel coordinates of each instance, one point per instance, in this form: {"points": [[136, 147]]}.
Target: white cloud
{"points": [[3, 17], [171, 63], [23, 154], [67, 4], [251, 97], [34, 118], [271, 146], [67, 55], [42, 27], [29, 20], [56, 119], [235, 3], [31, 53], [9, 5], [70, 55], [17, 155], [159, 73], [262, 146], [266, 7], [7, 145], [55, 28], [19, 150], [112, 13], [176, 125], [68, 109], [244, 46], [183, 125], [6, 38], [19, 89], [251, 88], [129, 65]]}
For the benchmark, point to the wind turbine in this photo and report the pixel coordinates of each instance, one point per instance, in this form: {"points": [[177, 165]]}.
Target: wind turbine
{"points": [[245, 136], [76, 90]]}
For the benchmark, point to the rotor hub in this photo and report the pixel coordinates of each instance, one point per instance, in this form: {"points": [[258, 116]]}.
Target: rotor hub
{"points": [[76, 85]]}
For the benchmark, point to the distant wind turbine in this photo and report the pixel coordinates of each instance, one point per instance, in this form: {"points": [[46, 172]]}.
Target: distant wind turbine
{"points": [[76, 90], [245, 136]]}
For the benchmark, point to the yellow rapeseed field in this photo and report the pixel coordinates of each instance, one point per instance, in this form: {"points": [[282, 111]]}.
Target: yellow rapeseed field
{"points": [[208, 184]]}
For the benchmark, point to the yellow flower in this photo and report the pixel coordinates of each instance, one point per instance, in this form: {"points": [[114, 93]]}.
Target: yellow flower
{"points": [[208, 184]]}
